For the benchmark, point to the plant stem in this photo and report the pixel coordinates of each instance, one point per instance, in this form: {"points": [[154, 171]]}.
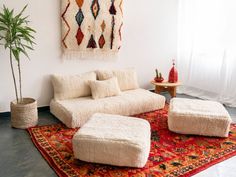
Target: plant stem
{"points": [[20, 81], [13, 75]]}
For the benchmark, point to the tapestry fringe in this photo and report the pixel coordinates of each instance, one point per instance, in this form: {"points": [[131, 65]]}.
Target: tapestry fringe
{"points": [[73, 55]]}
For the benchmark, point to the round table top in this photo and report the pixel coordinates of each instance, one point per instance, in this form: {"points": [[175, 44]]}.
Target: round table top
{"points": [[166, 84]]}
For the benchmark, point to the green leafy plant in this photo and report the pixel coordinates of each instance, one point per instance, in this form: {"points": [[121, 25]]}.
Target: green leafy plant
{"points": [[158, 74], [17, 36]]}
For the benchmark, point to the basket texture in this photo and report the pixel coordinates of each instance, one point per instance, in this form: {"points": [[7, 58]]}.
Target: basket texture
{"points": [[24, 114]]}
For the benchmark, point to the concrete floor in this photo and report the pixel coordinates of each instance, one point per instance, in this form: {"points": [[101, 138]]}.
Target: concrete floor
{"points": [[20, 158], [18, 155]]}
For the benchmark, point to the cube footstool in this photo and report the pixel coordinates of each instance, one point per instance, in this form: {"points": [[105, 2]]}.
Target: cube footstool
{"points": [[198, 117], [114, 140]]}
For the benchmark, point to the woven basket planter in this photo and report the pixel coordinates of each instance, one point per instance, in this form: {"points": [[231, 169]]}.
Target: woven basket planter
{"points": [[24, 114]]}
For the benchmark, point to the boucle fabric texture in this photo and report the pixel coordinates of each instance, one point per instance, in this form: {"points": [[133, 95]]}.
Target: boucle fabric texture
{"points": [[91, 28], [104, 74], [198, 117], [114, 140], [75, 112], [127, 78], [72, 86], [106, 88]]}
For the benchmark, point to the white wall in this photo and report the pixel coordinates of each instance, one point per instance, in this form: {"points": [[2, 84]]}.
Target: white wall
{"points": [[149, 42]]}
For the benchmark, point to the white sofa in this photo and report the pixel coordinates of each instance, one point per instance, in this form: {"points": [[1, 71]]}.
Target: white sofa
{"points": [[75, 110]]}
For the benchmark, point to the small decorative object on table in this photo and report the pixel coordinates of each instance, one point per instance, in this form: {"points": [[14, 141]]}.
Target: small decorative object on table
{"points": [[173, 75], [158, 77]]}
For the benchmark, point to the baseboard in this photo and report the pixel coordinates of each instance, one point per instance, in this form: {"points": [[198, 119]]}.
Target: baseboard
{"points": [[44, 108], [40, 109], [5, 114]]}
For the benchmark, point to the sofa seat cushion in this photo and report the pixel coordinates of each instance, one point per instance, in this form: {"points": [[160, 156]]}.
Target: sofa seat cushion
{"points": [[75, 112], [114, 140], [198, 117]]}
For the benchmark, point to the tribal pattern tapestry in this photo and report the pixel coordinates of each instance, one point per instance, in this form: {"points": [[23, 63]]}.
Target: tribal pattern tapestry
{"points": [[171, 154], [91, 28]]}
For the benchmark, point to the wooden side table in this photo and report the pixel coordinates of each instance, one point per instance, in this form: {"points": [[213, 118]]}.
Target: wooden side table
{"points": [[166, 86]]}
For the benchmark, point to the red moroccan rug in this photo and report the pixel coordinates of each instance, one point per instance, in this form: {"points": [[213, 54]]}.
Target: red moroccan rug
{"points": [[171, 154]]}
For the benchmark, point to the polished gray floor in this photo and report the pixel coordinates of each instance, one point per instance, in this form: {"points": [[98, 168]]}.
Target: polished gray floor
{"points": [[20, 158]]}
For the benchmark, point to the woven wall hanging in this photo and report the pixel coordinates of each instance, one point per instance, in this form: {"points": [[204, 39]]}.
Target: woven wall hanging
{"points": [[91, 28]]}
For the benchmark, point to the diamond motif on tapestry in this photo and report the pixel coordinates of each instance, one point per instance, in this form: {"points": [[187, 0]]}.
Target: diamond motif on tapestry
{"points": [[103, 26], [92, 44], [79, 36], [101, 41], [79, 17], [80, 3], [95, 8], [112, 9]]}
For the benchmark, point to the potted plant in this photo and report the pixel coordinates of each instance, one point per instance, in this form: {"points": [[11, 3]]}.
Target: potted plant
{"points": [[158, 77], [17, 37]]}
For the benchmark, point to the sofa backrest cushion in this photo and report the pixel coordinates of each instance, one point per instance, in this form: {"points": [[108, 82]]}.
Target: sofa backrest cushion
{"points": [[105, 88], [104, 74], [72, 86], [127, 78]]}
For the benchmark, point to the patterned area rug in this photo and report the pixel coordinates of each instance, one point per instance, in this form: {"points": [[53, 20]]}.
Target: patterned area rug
{"points": [[171, 154]]}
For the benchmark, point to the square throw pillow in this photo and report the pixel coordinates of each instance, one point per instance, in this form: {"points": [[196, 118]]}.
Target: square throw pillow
{"points": [[105, 88], [72, 86], [127, 78]]}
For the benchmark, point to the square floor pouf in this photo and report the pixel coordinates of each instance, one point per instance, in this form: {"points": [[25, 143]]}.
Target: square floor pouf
{"points": [[114, 140], [198, 117]]}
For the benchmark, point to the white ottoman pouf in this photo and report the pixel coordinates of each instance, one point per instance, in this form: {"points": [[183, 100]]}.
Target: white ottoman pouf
{"points": [[198, 117], [114, 140]]}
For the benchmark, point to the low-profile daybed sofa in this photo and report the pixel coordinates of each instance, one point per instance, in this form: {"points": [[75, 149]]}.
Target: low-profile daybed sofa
{"points": [[78, 97]]}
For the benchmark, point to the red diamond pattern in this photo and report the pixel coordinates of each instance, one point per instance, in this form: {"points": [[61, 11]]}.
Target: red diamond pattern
{"points": [[79, 36], [101, 41]]}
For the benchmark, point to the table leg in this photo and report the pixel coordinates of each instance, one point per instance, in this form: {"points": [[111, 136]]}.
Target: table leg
{"points": [[172, 91], [158, 90]]}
